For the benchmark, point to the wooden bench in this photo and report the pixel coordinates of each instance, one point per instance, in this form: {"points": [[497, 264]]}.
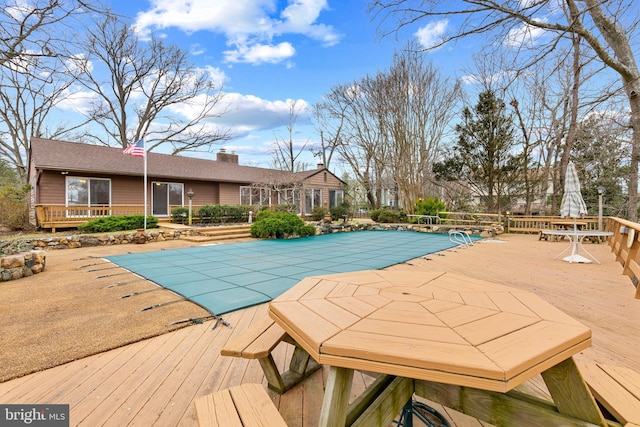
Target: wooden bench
{"points": [[616, 388], [258, 341], [244, 405]]}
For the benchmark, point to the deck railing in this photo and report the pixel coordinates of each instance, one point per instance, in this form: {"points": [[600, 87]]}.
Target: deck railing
{"points": [[625, 244], [533, 224], [469, 218], [62, 216], [512, 223]]}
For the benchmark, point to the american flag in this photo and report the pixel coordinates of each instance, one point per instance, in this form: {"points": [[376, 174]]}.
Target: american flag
{"points": [[135, 149]]}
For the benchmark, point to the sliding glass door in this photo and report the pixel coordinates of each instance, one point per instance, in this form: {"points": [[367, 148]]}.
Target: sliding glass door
{"points": [[165, 194]]}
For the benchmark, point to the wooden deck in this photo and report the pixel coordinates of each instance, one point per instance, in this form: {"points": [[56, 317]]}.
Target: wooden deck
{"points": [[154, 382]]}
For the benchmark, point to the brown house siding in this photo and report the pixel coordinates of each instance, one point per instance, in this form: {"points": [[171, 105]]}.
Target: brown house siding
{"points": [[51, 188], [229, 193], [324, 180], [127, 190], [205, 193], [124, 190]]}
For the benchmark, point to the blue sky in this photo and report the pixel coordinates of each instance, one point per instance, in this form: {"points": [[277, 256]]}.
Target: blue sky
{"points": [[266, 52]]}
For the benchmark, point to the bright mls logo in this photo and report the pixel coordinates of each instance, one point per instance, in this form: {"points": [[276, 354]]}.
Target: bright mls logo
{"points": [[34, 415]]}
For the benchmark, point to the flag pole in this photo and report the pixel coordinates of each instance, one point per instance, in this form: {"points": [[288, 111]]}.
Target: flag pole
{"points": [[144, 144]]}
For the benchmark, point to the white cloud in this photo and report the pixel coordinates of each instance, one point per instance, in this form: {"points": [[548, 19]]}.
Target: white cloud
{"points": [[197, 49], [79, 62], [246, 113], [250, 26], [432, 34], [490, 80], [78, 101], [18, 10], [215, 74], [260, 53], [523, 36], [299, 17]]}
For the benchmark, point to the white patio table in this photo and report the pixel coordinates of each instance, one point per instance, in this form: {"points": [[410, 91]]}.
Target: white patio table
{"points": [[575, 243]]}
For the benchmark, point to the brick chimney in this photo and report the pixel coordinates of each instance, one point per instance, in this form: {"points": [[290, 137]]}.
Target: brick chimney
{"points": [[223, 156], [320, 165]]}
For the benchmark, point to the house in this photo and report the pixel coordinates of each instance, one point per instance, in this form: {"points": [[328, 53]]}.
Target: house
{"points": [[74, 182]]}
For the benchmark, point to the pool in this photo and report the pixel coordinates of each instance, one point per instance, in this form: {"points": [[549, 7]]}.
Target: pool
{"points": [[227, 277]]}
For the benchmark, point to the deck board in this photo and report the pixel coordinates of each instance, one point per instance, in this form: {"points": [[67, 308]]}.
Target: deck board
{"points": [[154, 382]]}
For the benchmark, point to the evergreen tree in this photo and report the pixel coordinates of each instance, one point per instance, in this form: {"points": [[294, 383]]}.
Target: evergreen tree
{"points": [[8, 175], [600, 152], [482, 156]]}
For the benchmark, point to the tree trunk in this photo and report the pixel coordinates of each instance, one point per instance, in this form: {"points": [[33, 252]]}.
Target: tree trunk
{"points": [[633, 92]]}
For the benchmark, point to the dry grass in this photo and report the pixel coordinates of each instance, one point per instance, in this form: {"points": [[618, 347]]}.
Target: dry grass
{"points": [[69, 311]]}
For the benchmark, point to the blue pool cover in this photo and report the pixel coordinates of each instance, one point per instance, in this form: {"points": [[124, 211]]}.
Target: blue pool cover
{"points": [[227, 277]]}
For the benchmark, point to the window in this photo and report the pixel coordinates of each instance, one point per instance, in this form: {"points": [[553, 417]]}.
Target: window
{"points": [[336, 197], [87, 192], [312, 199], [290, 196], [255, 196]]}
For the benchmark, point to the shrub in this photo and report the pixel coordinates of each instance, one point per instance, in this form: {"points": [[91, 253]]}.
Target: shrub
{"points": [[219, 214], [318, 213], [280, 225], [262, 214], [286, 207], [208, 213], [339, 212], [118, 223], [179, 214], [14, 211], [375, 214], [429, 206], [387, 216]]}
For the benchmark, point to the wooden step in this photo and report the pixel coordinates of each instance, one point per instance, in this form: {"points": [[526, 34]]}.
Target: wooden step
{"points": [[225, 231], [219, 233], [205, 239]]}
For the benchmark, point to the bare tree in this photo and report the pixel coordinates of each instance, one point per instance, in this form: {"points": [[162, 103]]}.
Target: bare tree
{"points": [[286, 153], [27, 99], [36, 71], [359, 143], [391, 125], [329, 125], [607, 27], [36, 29], [416, 106], [148, 90]]}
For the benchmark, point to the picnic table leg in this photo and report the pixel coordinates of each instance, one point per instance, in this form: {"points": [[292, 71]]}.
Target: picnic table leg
{"points": [[271, 373], [336, 397], [571, 394]]}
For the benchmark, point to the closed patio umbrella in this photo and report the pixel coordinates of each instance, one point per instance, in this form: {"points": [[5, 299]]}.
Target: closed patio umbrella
{"points": [[573, 206]]}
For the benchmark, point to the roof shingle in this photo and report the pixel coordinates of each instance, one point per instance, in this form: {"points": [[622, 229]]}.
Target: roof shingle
{"points": [[48, 154]]}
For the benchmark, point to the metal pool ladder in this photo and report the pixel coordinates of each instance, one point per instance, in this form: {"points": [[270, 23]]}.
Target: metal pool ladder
{"points": [[461, 238]]}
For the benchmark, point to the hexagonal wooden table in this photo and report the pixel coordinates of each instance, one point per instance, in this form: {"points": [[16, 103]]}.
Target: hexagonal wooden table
{"points": [[434, 328]]}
